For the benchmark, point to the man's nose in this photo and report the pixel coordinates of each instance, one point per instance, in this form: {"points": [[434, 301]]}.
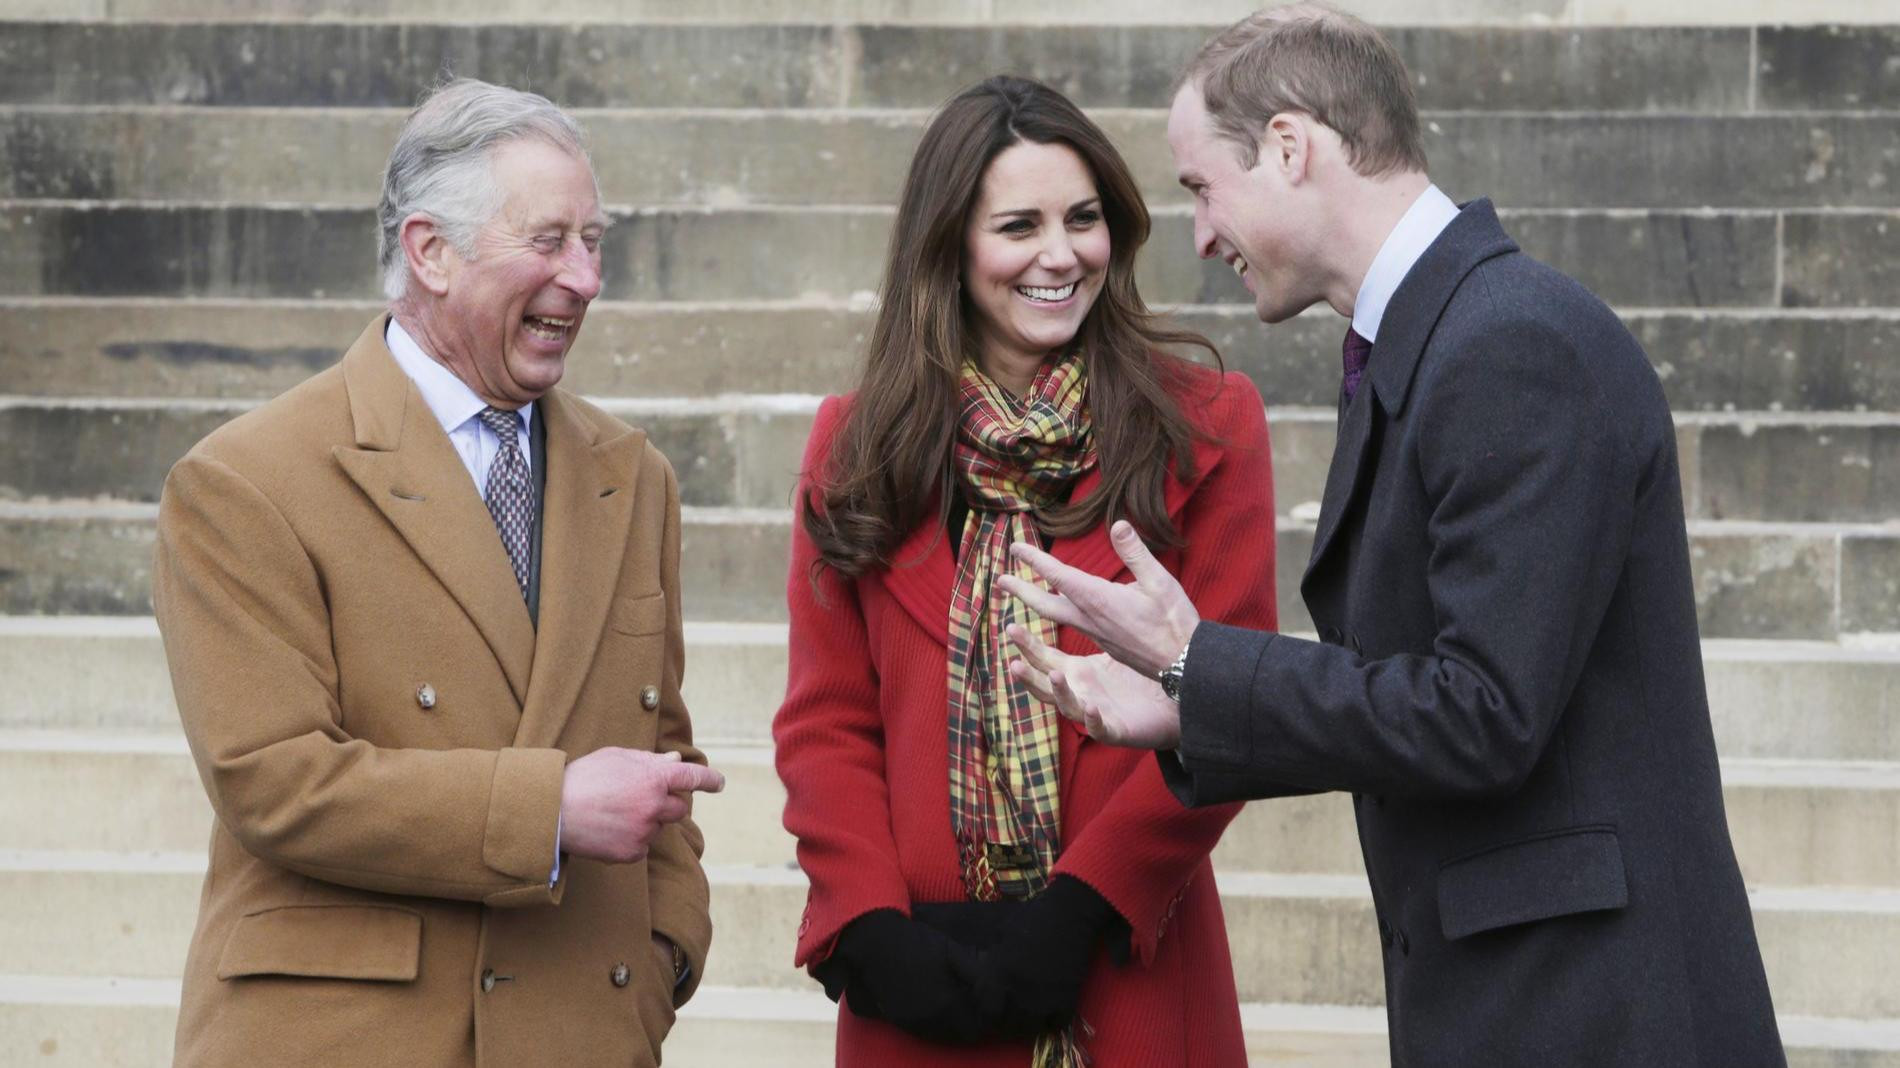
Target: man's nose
{"points": [[1203, 234], [580, 270]]}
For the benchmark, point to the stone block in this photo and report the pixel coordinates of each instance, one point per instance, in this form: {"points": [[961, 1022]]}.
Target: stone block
{"points": [[97, 452], [251, 350], [1849, 259], [1870, 584], [97, 565], [1799, 472], [1657, 259], [1762, 584], [356, 64], [1667, 161], [1713, 361], [1645, 259], [1454, 69], [1847, 68], [80, 250]]}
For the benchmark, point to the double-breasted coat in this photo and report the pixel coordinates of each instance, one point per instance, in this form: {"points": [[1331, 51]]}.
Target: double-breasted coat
{"points": [[382, 730]]}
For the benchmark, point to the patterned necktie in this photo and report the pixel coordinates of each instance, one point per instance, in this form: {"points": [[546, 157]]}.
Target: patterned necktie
{"points": [[1356, 352], [510, 493]]}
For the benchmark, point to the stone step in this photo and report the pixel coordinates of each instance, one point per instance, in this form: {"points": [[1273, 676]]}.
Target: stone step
{"points": [[1812, 581], [1296, 938], [358, 64], [728, 158], [1537, 13], [1794, 823], [1710, 360], [108, 674], [128, 1023], [1661, 258], [744, 451]]}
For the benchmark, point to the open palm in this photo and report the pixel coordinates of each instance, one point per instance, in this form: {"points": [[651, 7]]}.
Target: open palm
{"points": [[1116, 703]]}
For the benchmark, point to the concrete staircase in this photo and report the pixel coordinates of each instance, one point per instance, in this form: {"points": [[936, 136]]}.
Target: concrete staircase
{"points": [[185, 231]]}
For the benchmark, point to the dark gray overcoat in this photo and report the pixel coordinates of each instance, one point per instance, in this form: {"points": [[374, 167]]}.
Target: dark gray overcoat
{"points": [[1509, 681]]}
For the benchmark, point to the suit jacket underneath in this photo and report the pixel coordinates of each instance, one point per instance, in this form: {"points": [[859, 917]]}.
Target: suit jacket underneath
{"points": [[378, 889], [1509, 681]]}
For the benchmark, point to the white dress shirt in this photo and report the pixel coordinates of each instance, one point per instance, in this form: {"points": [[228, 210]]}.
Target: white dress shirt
{"points": [[1417, 229], [456, 407]]}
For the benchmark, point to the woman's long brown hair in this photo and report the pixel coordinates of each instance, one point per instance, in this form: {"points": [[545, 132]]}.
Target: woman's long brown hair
{"points": [[891, 460]]}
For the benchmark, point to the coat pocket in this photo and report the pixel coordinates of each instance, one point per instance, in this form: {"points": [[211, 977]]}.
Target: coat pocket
{"points": [[639, 615], [375, 942], [1579, 869]]}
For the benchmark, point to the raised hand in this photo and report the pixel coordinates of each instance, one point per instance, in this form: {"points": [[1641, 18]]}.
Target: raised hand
{"points": [[1144, 624], [1113, 701], [614, 801]]}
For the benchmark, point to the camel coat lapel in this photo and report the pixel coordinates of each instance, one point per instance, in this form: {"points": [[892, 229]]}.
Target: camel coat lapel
{"points": [[405, 465], [584, 523]]}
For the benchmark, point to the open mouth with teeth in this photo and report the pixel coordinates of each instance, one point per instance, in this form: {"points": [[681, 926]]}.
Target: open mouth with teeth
{"points": [[547, 327], [1042, 295], [1239, 265]]}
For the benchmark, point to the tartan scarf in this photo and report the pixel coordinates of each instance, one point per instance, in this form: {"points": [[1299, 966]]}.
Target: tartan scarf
{"points": [[1011, 455]]}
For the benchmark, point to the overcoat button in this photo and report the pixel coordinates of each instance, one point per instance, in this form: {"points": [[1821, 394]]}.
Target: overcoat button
{"points": [[650, 698], [425, 696], [488, 981], [1330, 634], [1385, 933], [620, 975]]}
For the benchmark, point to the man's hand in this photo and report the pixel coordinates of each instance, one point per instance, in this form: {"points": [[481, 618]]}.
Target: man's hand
{"points": [[1116, 704], [613, 801], [1144, 624]]}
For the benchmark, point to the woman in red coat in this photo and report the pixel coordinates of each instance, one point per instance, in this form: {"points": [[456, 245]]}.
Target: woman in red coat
{"points": [[988, 886]]}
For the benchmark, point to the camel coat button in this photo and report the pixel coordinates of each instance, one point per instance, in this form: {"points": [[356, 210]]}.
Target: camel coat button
{"points": [[488, 981], [650, 698], [425, 696], [620, 975]]}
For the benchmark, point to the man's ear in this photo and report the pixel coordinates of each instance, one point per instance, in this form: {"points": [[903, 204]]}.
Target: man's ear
{"points": [[1287, 146], [427, 253]]}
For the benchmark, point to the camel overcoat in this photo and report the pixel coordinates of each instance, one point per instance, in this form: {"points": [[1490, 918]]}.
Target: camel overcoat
{"points": [[382, 731]]}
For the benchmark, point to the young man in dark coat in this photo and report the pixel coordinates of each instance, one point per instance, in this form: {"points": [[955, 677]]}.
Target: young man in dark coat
{"points": [[1508, 677]]}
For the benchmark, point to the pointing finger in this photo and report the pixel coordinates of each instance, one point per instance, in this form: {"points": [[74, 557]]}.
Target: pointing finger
{"points": [[686, 777], [1050, 606]]}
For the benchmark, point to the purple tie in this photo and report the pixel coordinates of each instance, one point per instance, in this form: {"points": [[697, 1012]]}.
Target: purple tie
{"points": [[1356, 352], [510, 493]]}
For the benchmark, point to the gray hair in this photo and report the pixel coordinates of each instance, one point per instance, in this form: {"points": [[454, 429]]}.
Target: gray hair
{"points": [[440, 165]]}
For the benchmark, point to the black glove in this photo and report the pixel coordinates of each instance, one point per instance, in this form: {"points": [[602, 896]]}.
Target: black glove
{"points": [[1032, 975], [909, 974]]}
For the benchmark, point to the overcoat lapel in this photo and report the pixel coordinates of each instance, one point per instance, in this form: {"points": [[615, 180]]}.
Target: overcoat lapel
{"points": [[589, 505], [1473, 237], [405, 465]]}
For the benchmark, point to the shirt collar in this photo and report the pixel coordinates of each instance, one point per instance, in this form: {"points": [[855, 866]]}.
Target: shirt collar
{"points": [[446, 395], [1417, 229]]}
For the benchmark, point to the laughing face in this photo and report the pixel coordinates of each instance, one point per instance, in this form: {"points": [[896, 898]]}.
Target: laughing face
{"points": [[505, 319], [1247, 217], [1035, 253]]}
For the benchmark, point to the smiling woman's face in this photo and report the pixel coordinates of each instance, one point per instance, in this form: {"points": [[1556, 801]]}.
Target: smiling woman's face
{"points": [[1035, 253]]}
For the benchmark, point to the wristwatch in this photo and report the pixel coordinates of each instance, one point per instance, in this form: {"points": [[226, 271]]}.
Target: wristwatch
{"points": [[1170, 676]]}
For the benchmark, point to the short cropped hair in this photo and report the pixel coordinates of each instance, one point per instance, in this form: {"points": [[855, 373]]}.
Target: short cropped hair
{"points": [[440, 165], [1319, 61]]}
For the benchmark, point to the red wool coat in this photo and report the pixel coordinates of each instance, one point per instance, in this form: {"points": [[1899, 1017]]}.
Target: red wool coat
{"points": [[861, 746]]}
